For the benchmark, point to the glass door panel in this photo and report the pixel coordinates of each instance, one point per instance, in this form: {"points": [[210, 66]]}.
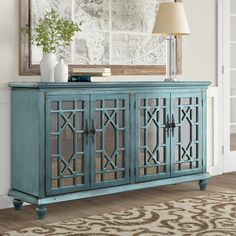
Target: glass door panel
{"points": [[233, 6], [152, 145], [233, 83], [232, 75], [233, 137], [233, 53], [187, 135], [232, 28], [110, 141], [67, 147], [233, 111]]}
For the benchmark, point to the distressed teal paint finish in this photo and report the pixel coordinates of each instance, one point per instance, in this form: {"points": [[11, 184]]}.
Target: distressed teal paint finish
{"points": [[66, 115], [107, 85], [17, 204], [152, 138], [27, 142], [41, 211], [187, 136], [203, 184], [110, 124], [77, 140], [106, 191]]}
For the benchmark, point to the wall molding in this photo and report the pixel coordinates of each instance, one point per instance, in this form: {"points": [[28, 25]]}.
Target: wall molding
{"points": [[214, 149], [224, 83], [5, 202], [5, 152]]}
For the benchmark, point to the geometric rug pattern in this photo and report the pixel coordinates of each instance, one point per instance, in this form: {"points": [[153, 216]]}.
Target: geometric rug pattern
{"points": [[212, 214]]}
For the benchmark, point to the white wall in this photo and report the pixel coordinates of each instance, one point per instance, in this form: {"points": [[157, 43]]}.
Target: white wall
{"points": [[8, 41], [199, 63], [199, 48], [8, 72]]}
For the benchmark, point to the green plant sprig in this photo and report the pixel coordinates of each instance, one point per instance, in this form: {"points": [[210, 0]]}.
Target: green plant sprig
{"points": [[53, 31]]}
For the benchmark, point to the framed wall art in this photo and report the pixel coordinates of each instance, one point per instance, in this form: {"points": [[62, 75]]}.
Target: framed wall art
{"points": [[115, 34]]}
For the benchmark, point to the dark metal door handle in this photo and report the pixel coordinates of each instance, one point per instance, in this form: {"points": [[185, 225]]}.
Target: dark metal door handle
{"points": [[86, 131], [173, 125], [167, 126], [92, 130]]}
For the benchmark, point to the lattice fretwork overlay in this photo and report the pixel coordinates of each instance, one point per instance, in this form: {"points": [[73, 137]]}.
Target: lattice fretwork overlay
{"points": [[187, 119], [67, 144], [152, 137], [110, 140]]}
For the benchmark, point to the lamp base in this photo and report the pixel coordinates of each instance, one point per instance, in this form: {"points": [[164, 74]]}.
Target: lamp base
{"points": [[171, 80]]}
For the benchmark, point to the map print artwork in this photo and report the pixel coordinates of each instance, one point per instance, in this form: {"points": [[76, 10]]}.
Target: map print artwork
{"points": [[114, 32]]}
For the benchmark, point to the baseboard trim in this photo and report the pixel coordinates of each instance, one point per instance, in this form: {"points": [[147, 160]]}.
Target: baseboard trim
{"points": [[5, 202], [214, 142]]}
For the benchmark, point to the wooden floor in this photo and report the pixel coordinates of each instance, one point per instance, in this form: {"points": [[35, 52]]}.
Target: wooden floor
{"points": [[14, 220]]}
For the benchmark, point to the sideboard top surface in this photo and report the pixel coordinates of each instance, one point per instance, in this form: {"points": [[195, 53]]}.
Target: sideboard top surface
{"points": [[133, 84]]}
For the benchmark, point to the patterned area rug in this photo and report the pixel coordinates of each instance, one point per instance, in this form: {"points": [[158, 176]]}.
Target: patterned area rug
{"points": [[208, 215]]}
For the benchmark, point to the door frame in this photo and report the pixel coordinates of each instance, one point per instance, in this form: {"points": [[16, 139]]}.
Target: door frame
{"points": [[223, 12]]}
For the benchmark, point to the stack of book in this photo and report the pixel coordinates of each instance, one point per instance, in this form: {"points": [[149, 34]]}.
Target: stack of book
{"points": [[90, 75]]}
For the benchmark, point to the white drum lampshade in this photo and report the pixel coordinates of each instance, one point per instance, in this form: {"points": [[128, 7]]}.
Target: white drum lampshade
{"points": [[170, 21]]}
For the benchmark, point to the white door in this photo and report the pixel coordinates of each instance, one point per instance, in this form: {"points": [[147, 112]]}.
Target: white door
{"points": [[228, 38]]}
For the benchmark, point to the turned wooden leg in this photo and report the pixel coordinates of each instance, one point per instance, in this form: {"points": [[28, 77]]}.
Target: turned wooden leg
{"points": [[41, 212], [17, 203], [203, 184]]}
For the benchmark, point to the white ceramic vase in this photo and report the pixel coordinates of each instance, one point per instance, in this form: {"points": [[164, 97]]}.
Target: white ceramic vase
{"points": [[61, 72], [47, 65]]}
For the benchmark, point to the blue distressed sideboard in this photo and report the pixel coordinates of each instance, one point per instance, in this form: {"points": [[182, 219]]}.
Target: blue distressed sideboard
{"points": [[78, 140]]}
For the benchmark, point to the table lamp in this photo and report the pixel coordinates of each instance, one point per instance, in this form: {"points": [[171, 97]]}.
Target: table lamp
{"points": [[170, 21]]}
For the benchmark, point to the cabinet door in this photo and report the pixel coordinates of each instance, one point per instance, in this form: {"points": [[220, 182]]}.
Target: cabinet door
{"points": [[152, 147], [110, 140], [187, 137], [67, 164]]}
